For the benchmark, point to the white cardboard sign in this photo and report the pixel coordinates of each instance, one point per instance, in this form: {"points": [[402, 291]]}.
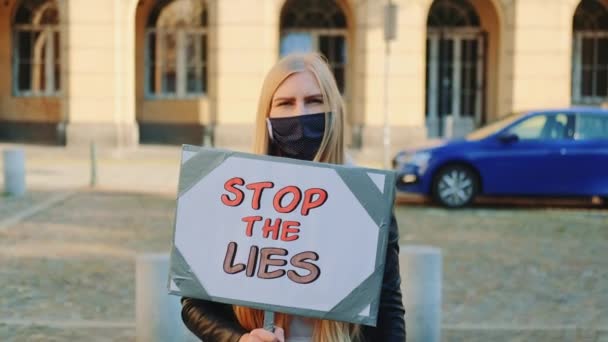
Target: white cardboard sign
{"points": [[281, 235]]}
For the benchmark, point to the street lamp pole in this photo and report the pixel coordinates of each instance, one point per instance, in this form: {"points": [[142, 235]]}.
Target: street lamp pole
{"points": [[390, 33]]}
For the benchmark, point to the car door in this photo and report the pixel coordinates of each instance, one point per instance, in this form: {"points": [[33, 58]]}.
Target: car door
{"points": [[587, 174], [531, 164]]}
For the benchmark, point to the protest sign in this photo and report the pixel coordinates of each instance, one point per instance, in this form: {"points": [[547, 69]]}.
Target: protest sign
{"points": [[280, 234]]}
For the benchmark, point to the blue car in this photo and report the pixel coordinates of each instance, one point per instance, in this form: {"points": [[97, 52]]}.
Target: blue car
{"points": [[541, 153]]}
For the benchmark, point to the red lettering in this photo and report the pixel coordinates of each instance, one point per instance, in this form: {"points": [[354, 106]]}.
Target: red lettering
{"points": [[271, 228], [286, 230], [278, 198], [250, 221], [309, 203], [238, 194], [258, 188]]}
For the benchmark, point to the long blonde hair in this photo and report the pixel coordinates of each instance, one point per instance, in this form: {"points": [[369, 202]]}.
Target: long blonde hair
{"points": [[332, 146], [330, 151]]}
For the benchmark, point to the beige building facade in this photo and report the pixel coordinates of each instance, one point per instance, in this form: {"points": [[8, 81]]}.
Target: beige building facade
{"points": [[124, 72]]}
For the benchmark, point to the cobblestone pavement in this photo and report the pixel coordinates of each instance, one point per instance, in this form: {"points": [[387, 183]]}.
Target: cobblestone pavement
{"points": [[519, 266], [74, 261], [20, 204], [39, 333]]}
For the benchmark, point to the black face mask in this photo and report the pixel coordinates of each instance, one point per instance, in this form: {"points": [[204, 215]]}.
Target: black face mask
{"points": [[297, 137]]}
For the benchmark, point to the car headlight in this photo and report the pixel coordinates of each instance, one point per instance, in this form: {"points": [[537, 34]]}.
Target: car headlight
{"points": [[420, 159], [402, 159]]}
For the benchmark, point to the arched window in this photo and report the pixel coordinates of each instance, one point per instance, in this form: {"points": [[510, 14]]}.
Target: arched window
{"points": [[316, 25], [176, 49], [36, 64], [452, 13], [590, 53], [455, 60]]}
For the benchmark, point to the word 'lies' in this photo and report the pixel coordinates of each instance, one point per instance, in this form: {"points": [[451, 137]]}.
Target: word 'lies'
{"points": [[261, 259]]}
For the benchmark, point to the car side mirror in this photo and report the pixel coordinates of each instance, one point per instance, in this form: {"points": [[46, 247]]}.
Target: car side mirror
{"points": [[508, 138]]}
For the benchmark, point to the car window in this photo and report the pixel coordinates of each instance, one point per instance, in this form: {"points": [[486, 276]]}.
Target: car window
{"points": [[590, 127], [530, 128], [544, 127], [556, 127], [493, 127]]}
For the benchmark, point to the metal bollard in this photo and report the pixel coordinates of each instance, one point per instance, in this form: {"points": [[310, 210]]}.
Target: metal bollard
{"points": [[420, 268], [14, 172], [93, 181], [158, 314]]}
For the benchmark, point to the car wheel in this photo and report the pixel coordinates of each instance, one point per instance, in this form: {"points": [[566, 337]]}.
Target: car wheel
{"points": [[455, 186]]}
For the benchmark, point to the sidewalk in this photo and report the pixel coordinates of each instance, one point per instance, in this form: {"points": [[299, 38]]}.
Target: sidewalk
{"points": [[147, 168]]}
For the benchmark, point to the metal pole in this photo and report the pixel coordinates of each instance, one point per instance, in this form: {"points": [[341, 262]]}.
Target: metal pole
{"points": [[387, 129], [420, 268], [93, 165], [390, 33], [14, 172], [269, 321]]}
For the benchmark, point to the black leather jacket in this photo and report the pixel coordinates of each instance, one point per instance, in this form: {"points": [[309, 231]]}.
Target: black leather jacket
{"points": [[216, 322]]}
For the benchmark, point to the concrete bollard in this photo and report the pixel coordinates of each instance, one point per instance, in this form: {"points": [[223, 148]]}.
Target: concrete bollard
{"points": [[158, 314], [14, 172], [420, 268]]}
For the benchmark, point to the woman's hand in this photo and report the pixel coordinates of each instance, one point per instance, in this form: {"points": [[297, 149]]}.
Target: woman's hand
{"points": [[261, 335]]}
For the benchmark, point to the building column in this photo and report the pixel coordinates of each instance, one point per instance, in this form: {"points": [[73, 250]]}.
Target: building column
{"points": [[99, 89], [245, 47], [541, 50]]}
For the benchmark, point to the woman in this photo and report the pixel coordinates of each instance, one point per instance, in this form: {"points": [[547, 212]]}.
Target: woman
{"points": [[301, 115]]}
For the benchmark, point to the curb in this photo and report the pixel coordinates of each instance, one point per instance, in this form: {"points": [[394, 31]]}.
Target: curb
{"points": [[35, 209]]}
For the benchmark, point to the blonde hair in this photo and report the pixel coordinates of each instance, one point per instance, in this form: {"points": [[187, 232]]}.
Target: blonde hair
{"points": [[332, 146], [323, 330], [330, 151]]}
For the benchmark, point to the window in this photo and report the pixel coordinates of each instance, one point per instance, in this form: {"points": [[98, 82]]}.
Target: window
{"points": [[591, 127], [530, 128], [493, 127], [452, 13], [556, 127], [176, 49], [545, 127], [36, 49], [316, 25], [455, 58], [590, 53]]}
